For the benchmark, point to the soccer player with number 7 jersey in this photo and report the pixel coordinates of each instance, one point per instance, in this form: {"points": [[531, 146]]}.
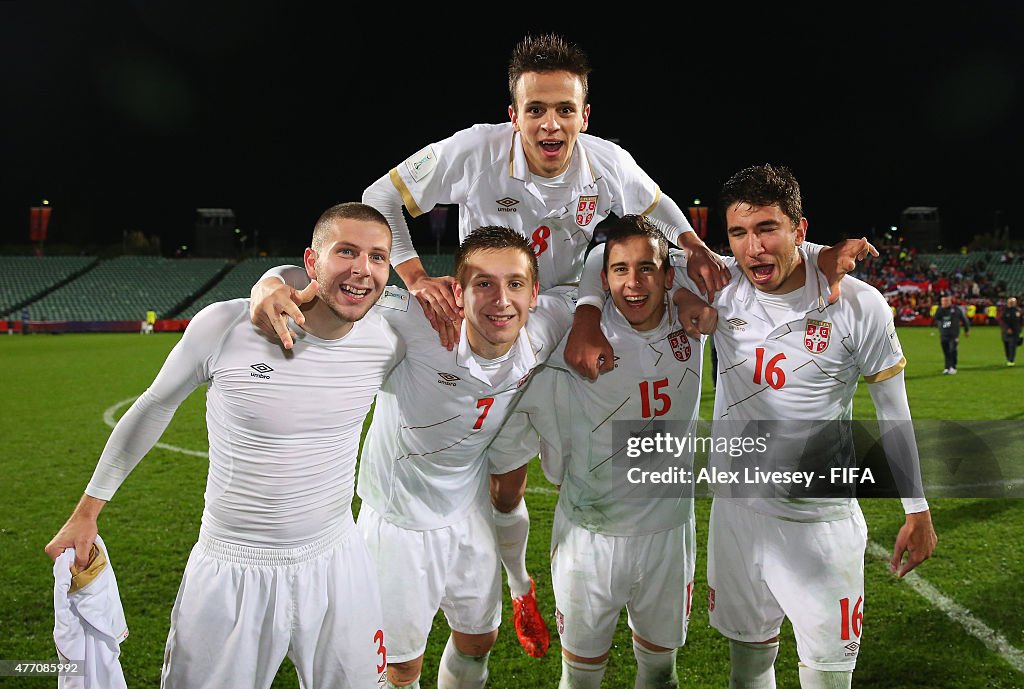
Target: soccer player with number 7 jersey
{"points": [[423, 472], [788, 358]]}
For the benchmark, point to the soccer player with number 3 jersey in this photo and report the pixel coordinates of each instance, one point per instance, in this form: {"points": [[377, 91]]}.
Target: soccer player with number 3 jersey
{"points": [[789, 358], [280, 569]]}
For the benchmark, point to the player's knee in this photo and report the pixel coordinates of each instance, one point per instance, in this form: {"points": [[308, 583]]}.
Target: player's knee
{"points": [[752, 666], [474, 645], [507, 490], [405, 673]]}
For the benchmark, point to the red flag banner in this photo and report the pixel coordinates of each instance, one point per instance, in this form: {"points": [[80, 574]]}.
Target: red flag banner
{"points": [[38, 221], [699, 220]]}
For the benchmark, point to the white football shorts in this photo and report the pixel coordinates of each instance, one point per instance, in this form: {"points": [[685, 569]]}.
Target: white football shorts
{"points": [[762, 569], [240, 611], [594, 576], [455, 568]]}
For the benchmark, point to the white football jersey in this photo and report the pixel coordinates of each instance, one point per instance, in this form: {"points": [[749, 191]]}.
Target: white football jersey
{"points": [[656, 379], [283, 426], [484, 170], [422, 464], [803, 371]]}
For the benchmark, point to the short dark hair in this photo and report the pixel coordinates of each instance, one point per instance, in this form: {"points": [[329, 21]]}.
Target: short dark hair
{"points": [[763, 185], [493, 237], [619, 229], [351, 210], [547, 53]]}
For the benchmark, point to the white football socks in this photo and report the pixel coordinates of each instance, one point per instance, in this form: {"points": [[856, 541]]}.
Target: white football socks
{"points": [[513, 530], [460, 671], [577, 675], [654, 669], [752, 666]]}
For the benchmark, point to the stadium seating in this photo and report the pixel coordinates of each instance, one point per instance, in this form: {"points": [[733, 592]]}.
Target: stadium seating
{"points": [[27, 278], [237, 282], [125, 288]]}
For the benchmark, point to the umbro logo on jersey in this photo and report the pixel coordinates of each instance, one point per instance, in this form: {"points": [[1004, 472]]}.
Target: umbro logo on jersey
{"points": [[507, 204], [260, 371], [447, 378], [737, 324]]}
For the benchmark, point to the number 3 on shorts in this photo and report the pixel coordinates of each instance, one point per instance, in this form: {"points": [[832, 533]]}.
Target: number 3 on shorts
{"points": [[378, 638]]}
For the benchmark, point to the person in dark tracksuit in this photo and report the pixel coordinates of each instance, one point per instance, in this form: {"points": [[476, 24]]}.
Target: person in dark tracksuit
{"points": [[948, 318], [1010, 325]]}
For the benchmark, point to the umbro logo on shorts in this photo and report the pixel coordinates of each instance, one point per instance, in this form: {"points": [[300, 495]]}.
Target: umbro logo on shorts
{"points": [[852, 648], [507, 204], [260, 371]]}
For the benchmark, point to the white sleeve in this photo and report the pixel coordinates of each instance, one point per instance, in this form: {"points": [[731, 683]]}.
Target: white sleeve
{"points": [[899, 440], [385, 197], [668, 217], [293, 276], [514, 445], [813, 251], [552, 318], [185, 369], [592, 293]]}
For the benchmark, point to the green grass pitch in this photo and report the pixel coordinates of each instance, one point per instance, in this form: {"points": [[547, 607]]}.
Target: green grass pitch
{"points": [[56, 389]]}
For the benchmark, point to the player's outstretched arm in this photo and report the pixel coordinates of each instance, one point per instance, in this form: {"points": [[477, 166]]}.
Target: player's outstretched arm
{"points": [[841, 258], [704, 267], [587, 350], [437, 299], [79, 531], [916, 539], [272, 301], [695, 315]]}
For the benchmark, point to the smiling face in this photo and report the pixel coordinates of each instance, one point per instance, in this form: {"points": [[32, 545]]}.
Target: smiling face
{"points": [[351, 264], [764, 241], [550, 112], [496, 289], [637, 280]]}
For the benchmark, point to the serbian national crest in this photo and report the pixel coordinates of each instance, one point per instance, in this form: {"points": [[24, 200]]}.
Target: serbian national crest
{"points": [[680, 345], [585, 209], [816, 337]]}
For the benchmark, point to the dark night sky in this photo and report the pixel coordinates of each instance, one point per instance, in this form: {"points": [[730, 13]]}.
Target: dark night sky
{"points": [[129, 115]]}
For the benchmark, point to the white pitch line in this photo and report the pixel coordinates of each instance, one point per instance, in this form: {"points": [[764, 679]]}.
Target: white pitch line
{"points": [[110, 420], [991, 638]]}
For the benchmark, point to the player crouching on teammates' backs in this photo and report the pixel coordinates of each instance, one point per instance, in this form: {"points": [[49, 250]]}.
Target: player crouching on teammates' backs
{"points": [[790, 361], [614, 544], [423, 472], [280, 569]]}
